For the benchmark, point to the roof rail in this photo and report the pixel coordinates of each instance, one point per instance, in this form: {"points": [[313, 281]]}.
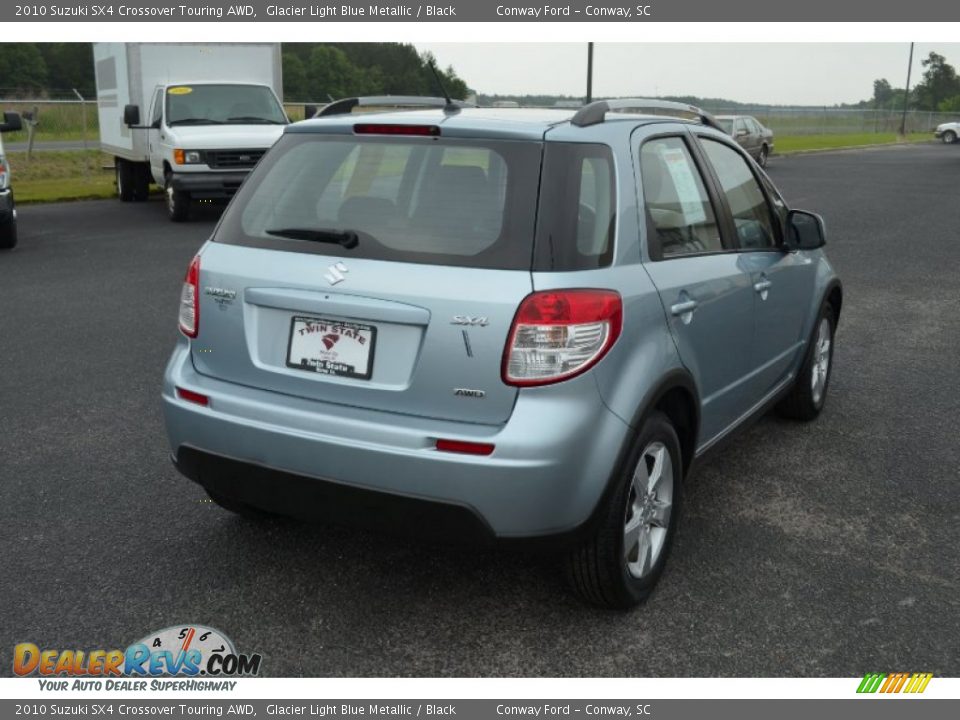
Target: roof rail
{"points": [[346, 105], [596, 112]]}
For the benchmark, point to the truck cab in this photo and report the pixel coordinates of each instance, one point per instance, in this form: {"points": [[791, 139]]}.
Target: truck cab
{"points": [[202, 140]]}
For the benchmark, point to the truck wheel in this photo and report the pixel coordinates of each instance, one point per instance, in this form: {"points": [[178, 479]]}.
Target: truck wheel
{"points": [[619, 565], [949, 137], [8, 234], [178, 202], [125, 179], [141, 182]]}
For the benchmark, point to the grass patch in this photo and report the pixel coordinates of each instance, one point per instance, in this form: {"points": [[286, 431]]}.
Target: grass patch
{"points": [[786, 144], [50, 176]]}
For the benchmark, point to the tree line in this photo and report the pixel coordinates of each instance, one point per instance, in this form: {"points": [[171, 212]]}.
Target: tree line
{"points": [[312, 72], [938, 89]]}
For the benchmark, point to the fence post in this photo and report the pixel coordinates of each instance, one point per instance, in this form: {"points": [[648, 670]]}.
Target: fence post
{"points": [[33, 119], [83, 134]]}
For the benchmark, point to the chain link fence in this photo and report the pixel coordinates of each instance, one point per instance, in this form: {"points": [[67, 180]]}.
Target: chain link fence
{"points": [[73, 121]]}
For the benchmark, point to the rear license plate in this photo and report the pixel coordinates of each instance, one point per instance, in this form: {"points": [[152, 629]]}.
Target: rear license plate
{"points": [[331, 347]]}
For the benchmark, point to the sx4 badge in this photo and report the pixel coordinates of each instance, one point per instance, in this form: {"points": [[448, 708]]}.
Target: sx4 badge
{"points": [[177, 651]]}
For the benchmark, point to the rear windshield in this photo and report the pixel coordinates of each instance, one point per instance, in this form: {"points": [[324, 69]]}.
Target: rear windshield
{"points": [[439, 201]]}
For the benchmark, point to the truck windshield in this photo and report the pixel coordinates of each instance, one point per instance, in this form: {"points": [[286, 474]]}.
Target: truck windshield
{"points": [[223, 105]]}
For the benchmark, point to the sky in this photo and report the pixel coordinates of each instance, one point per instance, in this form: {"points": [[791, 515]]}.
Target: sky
{"points": [[773, 73]]}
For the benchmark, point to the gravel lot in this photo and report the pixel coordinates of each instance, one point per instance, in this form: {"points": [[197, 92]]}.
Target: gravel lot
{"points": [[831, 549]]}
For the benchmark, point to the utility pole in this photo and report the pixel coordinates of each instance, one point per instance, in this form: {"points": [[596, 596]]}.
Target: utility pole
{"points": [[906, 95], [589, 72]]}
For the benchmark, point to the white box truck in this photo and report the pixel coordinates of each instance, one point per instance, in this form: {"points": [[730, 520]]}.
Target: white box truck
{"points": [[192, 118]]}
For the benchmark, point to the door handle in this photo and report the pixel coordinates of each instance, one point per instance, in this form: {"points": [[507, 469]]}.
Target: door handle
{"points": [[684, 310], [762, 285]]}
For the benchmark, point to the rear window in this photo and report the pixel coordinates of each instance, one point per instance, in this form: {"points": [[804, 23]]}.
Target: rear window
{"points": [[439, 201], [578, 202]]}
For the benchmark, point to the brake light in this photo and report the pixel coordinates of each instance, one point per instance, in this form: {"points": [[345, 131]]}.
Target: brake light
{"points": [[380, 129], [558, 334], [190, 300]]}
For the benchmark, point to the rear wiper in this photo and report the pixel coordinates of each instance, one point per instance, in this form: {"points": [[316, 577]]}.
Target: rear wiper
{"points": [[348, 239], [195, 121]]}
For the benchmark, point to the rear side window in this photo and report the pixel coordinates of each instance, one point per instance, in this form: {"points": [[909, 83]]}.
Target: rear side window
{"points": [[578, 202], [425, 200], [679, 213]]}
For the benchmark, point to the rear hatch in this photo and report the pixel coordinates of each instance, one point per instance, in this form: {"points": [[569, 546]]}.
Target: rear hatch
{"points": [[373, 270]]}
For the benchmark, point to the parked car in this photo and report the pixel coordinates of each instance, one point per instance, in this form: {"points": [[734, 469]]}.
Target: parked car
{"points": [[947, 132], [456, 319], [8, 209], [750, 134]]}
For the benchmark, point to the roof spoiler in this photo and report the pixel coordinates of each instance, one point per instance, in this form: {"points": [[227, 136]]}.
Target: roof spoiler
{"points": [[596, 112], [399, 102]]}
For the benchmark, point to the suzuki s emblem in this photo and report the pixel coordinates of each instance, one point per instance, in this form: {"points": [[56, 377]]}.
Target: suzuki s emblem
{"points": [[335, 273]]}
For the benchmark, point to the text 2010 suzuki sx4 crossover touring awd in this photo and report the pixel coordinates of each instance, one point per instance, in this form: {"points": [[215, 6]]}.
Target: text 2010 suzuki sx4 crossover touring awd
{"points": [[511, 324]]}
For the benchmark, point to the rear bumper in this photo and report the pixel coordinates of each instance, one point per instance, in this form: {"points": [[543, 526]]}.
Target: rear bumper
{"points": [[209, 185], [552, 462]]}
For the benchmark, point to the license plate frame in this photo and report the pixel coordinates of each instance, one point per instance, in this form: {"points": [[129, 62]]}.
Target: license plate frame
{"points": [[331, 333]]}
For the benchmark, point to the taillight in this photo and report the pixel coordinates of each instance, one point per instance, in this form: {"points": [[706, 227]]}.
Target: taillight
{"points": [[190, 300], [383, 129], [557, 334]]}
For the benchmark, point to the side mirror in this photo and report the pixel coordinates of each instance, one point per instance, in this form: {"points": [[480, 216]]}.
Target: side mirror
{"points": [[131, 115], [805, 231], [11, 122], [309, 111], [741, 133]]}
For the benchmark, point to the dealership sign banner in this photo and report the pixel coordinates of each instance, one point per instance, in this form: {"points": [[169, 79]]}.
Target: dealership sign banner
{"points": [[340, 709], [619, 11]]}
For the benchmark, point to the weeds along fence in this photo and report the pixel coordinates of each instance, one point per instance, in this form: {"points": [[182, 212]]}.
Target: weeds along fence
{"points": [[73, 120]]}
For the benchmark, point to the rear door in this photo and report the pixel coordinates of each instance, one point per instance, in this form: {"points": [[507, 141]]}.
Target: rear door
{"points": [[377, 272], [704, 285]]}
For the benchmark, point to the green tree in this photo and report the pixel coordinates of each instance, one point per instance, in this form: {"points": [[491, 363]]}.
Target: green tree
{"points": [[22, 69], [294, 78], [882, 93], [69, 67], [939, 83], [950, 105]]}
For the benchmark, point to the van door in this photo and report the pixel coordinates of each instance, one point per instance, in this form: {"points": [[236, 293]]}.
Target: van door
{"points": [[705, 288]]}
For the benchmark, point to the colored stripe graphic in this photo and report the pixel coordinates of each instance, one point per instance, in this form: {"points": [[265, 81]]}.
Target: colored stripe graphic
{"points": [[894, 683]]}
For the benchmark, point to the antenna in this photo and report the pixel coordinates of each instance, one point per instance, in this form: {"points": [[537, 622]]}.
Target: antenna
{"points": [[451, 106]]}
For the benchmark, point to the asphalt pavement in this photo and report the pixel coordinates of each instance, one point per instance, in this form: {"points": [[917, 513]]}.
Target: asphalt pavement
{"points": [[828, 549]]}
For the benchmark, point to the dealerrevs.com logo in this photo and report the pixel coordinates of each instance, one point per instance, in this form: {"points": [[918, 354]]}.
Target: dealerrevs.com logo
{"points": [[178, 651]]}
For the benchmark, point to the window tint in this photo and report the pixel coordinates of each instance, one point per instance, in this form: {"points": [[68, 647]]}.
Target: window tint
{"points": [[751, 214], [468, 203], [577, 207], [678, 207]]}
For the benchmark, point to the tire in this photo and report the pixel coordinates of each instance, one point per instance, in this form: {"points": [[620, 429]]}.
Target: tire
{"points": [[178, 202], [141, 182], [8, 234], [125, 179], [763, 157], [949, 137], [237, 507], [809, 393], [603, 571]]}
